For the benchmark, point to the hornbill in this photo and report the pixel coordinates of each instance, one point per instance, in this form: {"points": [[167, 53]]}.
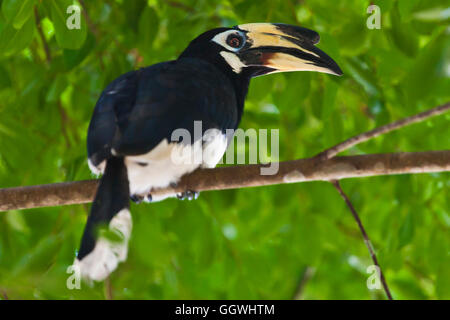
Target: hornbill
{"points": [[130, 136]]}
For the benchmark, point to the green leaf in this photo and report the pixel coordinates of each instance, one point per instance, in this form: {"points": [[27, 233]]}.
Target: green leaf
{"points": [[38, 256], [5, 79], [403, 35], [405, 7], [431, 65], [433, 14], [110, 235], [56, 89], [354, 36], [17, 11], [74, 57], [6, 131], [406, 231], [245, 243], [443, 280], [68, 38], [329, 99], [13, 40], [47, 28], [148, 27], [363, 75], [17, 221]]}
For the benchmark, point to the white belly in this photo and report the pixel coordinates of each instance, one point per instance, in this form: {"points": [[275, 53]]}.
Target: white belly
{"points": [[168, 162]]}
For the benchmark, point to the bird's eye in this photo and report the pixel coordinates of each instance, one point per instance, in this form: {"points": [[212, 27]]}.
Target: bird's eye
{"points": [[234, 40]]}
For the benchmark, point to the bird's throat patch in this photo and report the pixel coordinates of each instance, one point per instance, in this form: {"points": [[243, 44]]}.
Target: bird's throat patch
{"points": [[233, 60]]}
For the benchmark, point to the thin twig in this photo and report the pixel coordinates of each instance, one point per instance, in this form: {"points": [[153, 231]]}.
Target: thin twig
{"points": [[180, 5], [329, 153], [64, 123], [233, 177], [332, 152], [4, 295], [42, 36], [365, 236], [107, 288], [307, 274]]}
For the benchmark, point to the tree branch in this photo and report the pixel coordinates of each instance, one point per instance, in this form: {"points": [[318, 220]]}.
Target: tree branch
{"points": [[332, 152], [232, 177], [180, 5], [367, 241], [347, 144], [306, 275]]}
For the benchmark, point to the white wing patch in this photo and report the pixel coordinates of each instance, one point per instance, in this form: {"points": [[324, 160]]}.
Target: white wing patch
{"points": [[160, 167], [168, 162]]}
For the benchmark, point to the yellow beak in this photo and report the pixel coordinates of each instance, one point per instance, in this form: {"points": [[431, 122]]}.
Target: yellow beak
{"points": [[282, 48]]}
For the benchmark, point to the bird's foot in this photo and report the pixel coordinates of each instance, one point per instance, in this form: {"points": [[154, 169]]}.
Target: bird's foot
{"points": [[136, 198], [188, 194], [148, 198]]}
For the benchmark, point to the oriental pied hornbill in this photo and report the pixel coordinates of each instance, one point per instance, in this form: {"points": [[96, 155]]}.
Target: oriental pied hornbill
{"points": [[129, 137]]}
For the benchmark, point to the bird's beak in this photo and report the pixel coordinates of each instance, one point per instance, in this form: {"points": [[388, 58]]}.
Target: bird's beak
{"points": [[282, 48]]}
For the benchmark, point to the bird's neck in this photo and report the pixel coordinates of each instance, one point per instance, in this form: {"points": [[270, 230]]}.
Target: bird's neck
{"points": [[240, 81], [241, 84]]}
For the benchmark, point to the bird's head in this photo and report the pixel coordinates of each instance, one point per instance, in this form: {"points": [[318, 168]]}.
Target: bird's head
{"points": [[260, 48]]}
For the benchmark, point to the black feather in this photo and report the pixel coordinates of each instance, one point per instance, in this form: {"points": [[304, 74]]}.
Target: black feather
{"points": [[141, 108], [112, 196]]}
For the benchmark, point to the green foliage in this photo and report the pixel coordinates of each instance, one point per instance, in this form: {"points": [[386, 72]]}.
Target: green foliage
{"points": [[65, 37], [249, 243]]}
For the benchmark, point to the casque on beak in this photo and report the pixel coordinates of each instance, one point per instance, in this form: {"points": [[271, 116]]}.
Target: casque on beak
{"points": [[282, 48]]}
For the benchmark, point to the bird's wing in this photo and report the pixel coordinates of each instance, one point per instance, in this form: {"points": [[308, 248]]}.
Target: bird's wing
{"points": [[140, 109], [114, 104]]}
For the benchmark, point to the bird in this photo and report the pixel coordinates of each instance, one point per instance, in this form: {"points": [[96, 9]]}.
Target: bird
{"points": [[130, 139]]}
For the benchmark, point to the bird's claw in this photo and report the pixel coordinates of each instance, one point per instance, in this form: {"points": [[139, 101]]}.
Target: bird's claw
{"points": [[136, 198], [148, 197], [189, 194]]}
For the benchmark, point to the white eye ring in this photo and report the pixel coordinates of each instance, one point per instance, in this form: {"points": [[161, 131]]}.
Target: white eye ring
{"points": [[224, 37]]}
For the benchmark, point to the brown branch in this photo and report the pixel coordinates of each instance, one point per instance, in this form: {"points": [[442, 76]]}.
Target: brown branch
{"points": [[64, 123], [306, 275], [330, 153], [232, 177], [363, 137], [107, 289], [365, 236], [180, 5]]}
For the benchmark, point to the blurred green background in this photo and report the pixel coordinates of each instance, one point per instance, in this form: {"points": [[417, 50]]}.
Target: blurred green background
{"points": [[252, 243]]}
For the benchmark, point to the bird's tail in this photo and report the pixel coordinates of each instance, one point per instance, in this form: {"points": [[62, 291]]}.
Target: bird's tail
{"points": [[99, 255]]}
